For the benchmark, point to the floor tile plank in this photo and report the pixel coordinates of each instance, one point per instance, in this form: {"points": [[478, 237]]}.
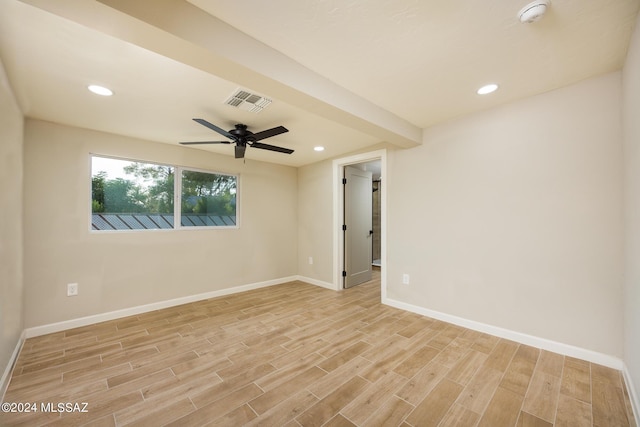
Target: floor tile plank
{"points": [[576, 381], [542, 397], [433, 408], [373, 397], [503, 409], [518, 375], [391, 413], [459, 416], [573, 413], [330, 405], [480, 389], [527, 420]]}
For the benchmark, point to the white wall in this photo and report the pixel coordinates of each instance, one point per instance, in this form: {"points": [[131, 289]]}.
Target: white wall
{"points": [[315, 220], [121, 270], [513, 217], [631, 131], [11, 280]]}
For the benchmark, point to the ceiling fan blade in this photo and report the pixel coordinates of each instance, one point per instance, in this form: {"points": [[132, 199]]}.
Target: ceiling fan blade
{"points": [[206, 142], [270, 132], [213, 127], [240, 149], [271, 148]]}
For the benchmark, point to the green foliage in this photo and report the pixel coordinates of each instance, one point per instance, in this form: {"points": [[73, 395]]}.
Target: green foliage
{"points": [[96, 206], [206, 193], [97, 192], [151, 191], [159, 192]]}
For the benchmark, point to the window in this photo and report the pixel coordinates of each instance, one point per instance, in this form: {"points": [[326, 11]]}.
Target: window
{"points": [[207, 199], [131, 195]]}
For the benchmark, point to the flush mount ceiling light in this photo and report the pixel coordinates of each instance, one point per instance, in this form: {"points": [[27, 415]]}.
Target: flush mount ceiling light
{"points": [[318, 148], [487, 89], [100, 90], [533, 11]]}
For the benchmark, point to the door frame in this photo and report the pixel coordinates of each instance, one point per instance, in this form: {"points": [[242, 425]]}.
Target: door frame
{"points": [[338, 215]]}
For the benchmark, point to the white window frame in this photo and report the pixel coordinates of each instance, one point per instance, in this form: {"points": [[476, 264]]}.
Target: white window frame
{"points": [[177, 202], [177, 197]]}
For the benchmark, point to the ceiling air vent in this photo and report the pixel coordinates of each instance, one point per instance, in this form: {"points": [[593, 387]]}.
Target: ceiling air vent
{"points": [[248, 101]]}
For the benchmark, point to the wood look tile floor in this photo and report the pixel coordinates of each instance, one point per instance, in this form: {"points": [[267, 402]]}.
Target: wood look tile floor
{"points": [[296, 354]]}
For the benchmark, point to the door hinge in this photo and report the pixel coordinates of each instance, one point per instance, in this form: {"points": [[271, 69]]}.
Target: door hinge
{"points": [[344, 181], [344, 227], [344, 273]]}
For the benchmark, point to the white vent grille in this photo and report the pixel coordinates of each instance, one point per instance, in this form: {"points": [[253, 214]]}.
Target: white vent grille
{"points": [[248, 101]]}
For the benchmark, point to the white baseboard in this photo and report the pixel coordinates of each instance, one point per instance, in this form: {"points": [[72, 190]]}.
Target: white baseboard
{"points": [[316, 282], [633, 394], [6, 376], [132, 311], [556, 347]]}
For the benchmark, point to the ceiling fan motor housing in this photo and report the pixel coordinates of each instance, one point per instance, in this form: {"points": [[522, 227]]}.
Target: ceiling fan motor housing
{"points": [[241, 133]]}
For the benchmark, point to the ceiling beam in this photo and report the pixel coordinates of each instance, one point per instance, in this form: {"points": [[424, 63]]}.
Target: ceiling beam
{"points": [[178, 30]]}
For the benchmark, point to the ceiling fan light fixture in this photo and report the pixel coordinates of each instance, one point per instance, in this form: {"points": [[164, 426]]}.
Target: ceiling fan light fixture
{"points": [[100, 90], [487, 89]]}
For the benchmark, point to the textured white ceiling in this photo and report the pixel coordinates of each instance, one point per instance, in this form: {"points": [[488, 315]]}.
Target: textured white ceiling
{"points": [[343, 74], [423, 60]]}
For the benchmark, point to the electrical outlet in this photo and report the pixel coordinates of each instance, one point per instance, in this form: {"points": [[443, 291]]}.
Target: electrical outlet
{"points": [[72, 289], [405, 279], [310, 260]]}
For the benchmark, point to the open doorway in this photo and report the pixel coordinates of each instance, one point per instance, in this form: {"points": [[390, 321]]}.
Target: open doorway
{"points": [[376, 217], [375, 162]]}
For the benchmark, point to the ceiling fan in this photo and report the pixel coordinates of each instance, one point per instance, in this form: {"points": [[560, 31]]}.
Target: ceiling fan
{"points": [[243, 138]]}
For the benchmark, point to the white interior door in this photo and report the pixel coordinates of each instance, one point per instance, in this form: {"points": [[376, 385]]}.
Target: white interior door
{"points": [[358, 226]]}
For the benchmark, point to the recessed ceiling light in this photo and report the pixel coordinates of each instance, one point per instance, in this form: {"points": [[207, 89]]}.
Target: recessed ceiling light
{"points": [[318, 148], [487, 89], [100, 90]]}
